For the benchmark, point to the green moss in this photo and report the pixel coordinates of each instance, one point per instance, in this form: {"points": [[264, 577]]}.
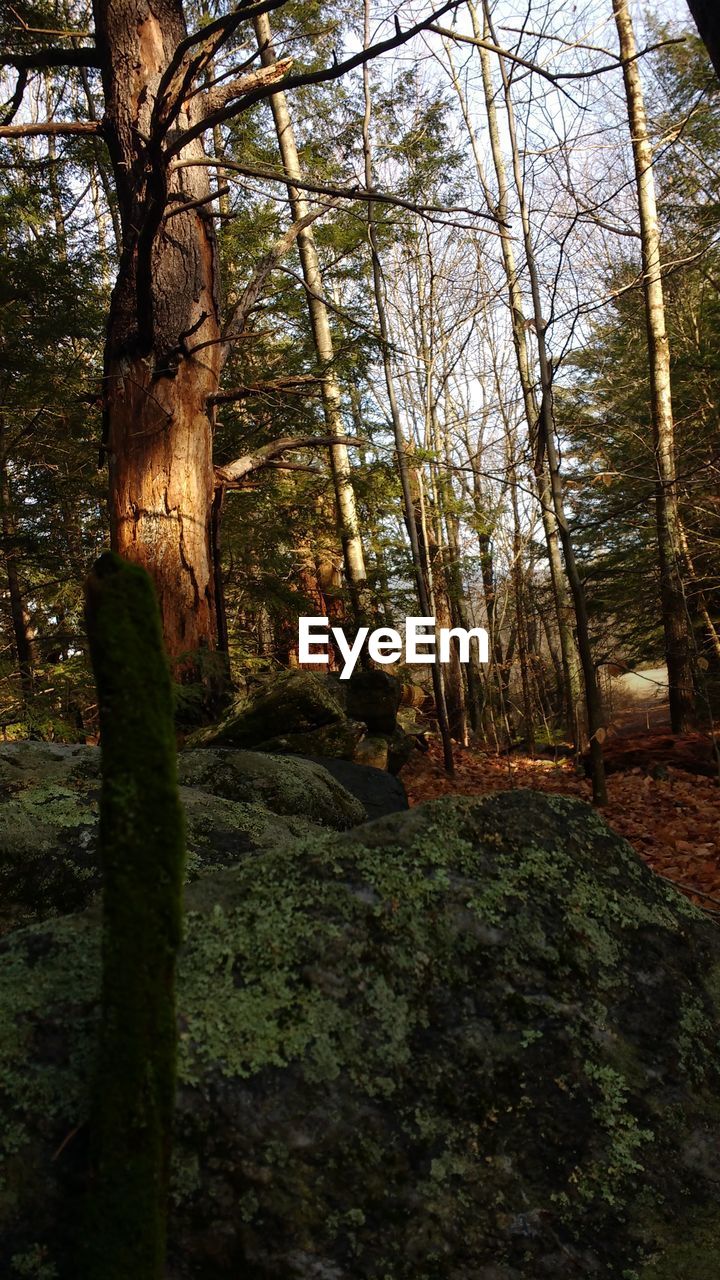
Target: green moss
{"points": [[286, 786], [142, 849], [695, 1257], [294, 701], [34, 1263]]}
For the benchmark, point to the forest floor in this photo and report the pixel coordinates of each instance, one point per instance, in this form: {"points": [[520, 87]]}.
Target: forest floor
{"points": [[672, 820]]}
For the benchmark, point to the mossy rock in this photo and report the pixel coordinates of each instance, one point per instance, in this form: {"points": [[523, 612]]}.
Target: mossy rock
{"points": [[235, 802], [337, 741], [301, 788], [372, 752], [293, 702], [475, 1041], [370, 696]]}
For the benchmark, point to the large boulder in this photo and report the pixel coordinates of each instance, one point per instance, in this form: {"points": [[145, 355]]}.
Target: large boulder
{"points": [[374, 698], [378, 792], [477, 1041], [287, 787], [297, 712], [235, 802], [291, 702]]}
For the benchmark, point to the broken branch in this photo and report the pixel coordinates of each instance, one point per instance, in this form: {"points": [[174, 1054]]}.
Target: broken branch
{"points": [[233, 472]]}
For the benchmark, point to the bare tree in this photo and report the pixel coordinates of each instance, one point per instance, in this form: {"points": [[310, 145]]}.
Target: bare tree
{"points": [[348, 522], [678, 648]]}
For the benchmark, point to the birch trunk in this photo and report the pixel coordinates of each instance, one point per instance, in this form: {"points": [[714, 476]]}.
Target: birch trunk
{"points": [[563, 604], [353, 555], [546, 449], [678, 650], [419, 569]]}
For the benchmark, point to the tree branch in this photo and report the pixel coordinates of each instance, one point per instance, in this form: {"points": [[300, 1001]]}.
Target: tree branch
{"points": [[15, 102], [52, 129], [233, 472], [303, 384], [297, 81], [555, 77], [243, 306], [267, 174], [192, 56], [41, 59], [215, 99], [197, 204]]}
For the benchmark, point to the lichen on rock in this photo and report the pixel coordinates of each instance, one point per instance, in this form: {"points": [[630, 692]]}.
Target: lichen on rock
{"points": [[475, 1039], [234, 801], [293, 701]]}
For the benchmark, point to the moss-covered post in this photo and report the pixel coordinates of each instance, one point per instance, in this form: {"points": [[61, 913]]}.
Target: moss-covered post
{"points": [[142, 850]]}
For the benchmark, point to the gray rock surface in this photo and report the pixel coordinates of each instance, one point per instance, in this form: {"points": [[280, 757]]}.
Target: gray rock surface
{"points": [[378, 791], [290, 702], [475, 1040], [297, 712], [234, 801]]}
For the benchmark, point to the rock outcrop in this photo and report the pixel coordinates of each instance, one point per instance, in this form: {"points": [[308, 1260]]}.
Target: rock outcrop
{"points": [[300, 713], [476, 1041], [379, 792], [234, 801]]}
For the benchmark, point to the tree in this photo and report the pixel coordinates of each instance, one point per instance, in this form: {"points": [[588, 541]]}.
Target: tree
{"points": [[166, 337], [322, 335], [418, 545], [606, 413], [140, 810], [669, 539], [519, 326], [707, 21], [541, 422]]}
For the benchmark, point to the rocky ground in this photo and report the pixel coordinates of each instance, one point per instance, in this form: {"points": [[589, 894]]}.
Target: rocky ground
{"points": [[472, 1041]]}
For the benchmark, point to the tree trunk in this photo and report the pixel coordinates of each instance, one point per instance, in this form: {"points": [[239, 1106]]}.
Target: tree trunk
{"points": [[23, 637], [521, 623], [163, 353], [546, 448], [563, 605], [141, 843], [707, 21], [419, 569], [440, 606], [678, 649], [348, 522]]}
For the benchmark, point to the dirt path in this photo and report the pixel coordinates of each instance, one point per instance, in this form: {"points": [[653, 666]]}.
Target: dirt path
{"points": [[638, 701]]}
